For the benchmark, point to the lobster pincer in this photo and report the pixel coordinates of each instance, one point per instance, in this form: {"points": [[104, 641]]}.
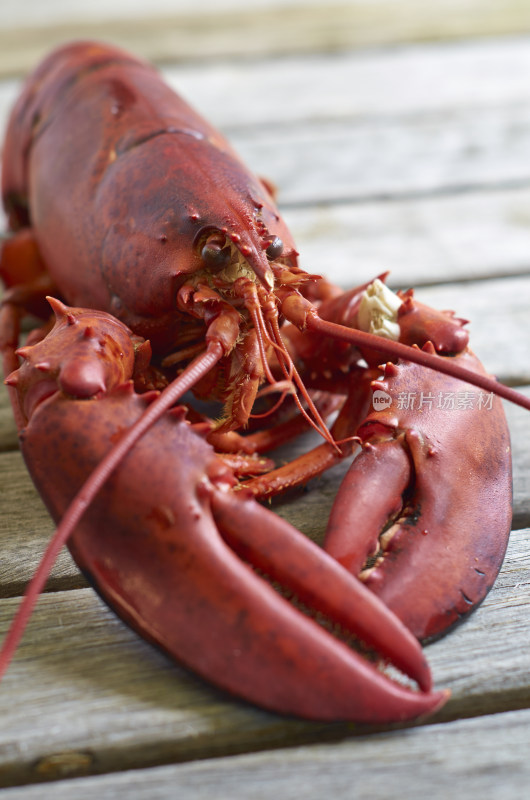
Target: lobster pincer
{"points": [[424, 513], [173, 548]]}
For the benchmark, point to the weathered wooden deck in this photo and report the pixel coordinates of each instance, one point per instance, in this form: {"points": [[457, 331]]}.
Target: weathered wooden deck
{"points": [[398, 135]]}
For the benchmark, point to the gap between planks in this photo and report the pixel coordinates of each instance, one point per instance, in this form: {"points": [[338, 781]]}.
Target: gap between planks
{"points": [[488, 756]]}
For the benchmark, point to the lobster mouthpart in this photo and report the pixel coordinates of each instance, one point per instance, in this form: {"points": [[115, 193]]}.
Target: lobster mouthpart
{"points": [[434, 478]]}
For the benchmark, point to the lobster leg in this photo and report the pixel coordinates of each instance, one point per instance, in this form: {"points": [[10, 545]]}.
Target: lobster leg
{"points": [[309, 465], [24, 274]]}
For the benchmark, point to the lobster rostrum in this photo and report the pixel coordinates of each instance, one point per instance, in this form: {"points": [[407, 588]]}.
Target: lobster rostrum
{"points": [[137, 213]]}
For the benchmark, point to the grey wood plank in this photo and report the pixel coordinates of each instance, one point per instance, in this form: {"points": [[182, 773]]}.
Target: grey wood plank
{"points": [[8, 433], [360, 86], [57, 11], [419, 240], [484, 757], [518, 423], [401, 156], [9, 90], [91, 697], [363, 86], [25, 528], [241, 30]]}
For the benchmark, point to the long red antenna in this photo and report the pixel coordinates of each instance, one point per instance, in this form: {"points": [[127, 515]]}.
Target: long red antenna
{"points": [[417, 356]]}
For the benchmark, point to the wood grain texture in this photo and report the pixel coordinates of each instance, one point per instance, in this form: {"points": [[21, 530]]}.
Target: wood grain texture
{"points": [[25, 528], [89, 686], [412, 158], [468, 750], [486, 755], [359, 85], [458, 237], [239, 30], [518, 424]]}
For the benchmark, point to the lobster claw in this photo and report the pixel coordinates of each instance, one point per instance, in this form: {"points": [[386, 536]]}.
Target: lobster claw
{"points": [[428, 500], [172, 545], [317, 675], [168, 544]]}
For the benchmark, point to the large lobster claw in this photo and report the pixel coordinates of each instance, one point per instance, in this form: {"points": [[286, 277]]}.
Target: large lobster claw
{"points": [[428, 500], [171, 546], [424, 513]]}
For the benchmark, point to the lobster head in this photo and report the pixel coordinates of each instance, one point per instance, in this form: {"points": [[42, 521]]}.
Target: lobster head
{"points": [[210, 231]]}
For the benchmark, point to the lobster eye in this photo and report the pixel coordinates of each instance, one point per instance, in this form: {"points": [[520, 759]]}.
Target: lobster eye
{"points": [[215, 255], [274, 248]]}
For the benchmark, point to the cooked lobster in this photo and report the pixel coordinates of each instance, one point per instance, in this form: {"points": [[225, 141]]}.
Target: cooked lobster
{"points": [[173, 272]]}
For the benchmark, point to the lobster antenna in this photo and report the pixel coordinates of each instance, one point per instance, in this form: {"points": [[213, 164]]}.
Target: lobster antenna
{"points": [[424, 357], [286, 388], [173, 392], [247, 290], [320, 425]]}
